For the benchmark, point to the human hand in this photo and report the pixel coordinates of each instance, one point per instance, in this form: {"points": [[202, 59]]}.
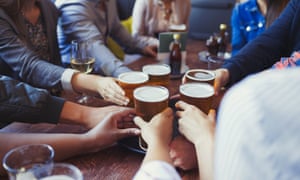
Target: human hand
{"points": [[222, 78], [183, 153], [92, 116], [194, 124], [150, 50], [111, 91], [158, 130], [112, 128]]}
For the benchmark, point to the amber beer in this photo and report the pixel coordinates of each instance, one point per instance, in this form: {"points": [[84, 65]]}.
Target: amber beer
{"points": [[198, 94], [159, 74], [199, 75], [149, 101], [131, 80]]}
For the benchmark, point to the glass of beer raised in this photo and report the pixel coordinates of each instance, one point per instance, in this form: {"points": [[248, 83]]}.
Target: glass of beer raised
{"points": [[197, 94], [199, 75], [159, 74], [131, 80], [149, 101]]}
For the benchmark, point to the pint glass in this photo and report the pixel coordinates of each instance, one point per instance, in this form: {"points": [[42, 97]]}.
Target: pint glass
{"points": [[197, 94], [131, 80], [149, 101], [159, 74], [199, 75]]}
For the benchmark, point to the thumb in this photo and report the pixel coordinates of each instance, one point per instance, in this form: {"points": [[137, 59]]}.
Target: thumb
{"points": [[139, 121], [122, 133], [212, 115]]}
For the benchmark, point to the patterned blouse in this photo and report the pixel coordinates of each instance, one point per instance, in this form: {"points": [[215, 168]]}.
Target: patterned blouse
{"points": [[38, 39]]}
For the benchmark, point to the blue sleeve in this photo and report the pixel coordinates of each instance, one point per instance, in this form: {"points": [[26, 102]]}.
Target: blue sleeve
{"points": [[20, 102], [280, 39], [238, 40]]}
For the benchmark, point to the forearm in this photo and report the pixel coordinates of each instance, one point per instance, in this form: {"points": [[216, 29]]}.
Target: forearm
{"points": [[205, 157], [158, 152], [65, 145]]}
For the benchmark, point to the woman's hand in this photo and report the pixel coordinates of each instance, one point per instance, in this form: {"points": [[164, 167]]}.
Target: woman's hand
{"points": [[158, 130], [113, 127], [111, 91], [194, 124], [222, 78]]}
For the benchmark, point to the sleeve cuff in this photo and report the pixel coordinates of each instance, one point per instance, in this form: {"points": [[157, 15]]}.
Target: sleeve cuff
{"points": [[66, 79]]}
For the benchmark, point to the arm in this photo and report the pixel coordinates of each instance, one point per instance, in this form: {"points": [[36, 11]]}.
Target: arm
{"points": [[81, 22], [261, 53], [199, 128], [139, 28], [24, 63], [23, 103], [157, 133], [67, 145]]}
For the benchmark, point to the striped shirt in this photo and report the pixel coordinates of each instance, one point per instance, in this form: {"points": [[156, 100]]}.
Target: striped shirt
{"points": [[258, 132]]}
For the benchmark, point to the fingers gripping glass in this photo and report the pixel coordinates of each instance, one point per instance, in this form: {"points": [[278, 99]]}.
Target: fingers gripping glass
{"points": [[82, 60]]}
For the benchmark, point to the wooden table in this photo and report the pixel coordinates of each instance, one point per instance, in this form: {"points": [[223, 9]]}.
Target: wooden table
{"points": [[115, 162]]}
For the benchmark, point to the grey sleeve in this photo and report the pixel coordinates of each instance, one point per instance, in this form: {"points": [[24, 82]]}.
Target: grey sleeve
{"points": [[20, 102]]}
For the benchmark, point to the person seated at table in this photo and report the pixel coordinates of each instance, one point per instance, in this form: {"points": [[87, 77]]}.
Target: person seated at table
{"points": [[150, 17], [251, 18], [97, 20], [21, 102], [29, 52], [281, 39], [257, 131]]}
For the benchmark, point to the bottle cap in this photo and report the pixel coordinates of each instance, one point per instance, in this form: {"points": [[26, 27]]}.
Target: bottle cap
{"points": [[176, 36], [223, 26]]}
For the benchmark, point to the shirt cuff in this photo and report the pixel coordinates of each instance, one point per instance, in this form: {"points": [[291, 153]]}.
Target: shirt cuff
{"points": [[157, 170], [66, 79]]}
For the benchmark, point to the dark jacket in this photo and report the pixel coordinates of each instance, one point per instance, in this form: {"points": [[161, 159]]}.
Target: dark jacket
{"points": [[19, 61], [20, 102], [281, 39]]}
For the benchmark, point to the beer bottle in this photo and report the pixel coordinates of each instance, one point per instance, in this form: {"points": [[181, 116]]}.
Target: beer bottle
{"points": [[175, 55], [222, 40]]}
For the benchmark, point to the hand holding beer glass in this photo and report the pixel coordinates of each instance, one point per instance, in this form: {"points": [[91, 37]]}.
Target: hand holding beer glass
{"points": [[130, 81], [149, 101]]}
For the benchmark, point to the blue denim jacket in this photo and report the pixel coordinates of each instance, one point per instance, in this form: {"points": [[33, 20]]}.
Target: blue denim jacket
{"points": [[281, 39], [20, 102], [247, 22]]}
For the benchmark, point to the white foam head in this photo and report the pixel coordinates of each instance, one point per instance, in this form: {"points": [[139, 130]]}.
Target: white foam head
{"points": [[198, 90], [151, 93], [201, 74], [156, 69], [134, 77]]}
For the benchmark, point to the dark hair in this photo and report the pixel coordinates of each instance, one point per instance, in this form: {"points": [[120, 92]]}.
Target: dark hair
{"points": [[12, 7], [274, 9]]}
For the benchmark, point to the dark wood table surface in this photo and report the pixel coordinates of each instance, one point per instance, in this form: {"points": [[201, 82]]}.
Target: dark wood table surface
{"points": [[116, 162]]}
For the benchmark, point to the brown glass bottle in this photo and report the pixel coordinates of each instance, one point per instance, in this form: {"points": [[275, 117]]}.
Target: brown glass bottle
{"points": [[222, 40], [175, 55]]}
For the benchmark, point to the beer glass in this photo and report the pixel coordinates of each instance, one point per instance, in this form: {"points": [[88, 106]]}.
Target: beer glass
{"points": [[28, 161], [149, 101], [159, 74], [197, 94], [131, 80], [82, 60], [199, 75], [63, 171]]}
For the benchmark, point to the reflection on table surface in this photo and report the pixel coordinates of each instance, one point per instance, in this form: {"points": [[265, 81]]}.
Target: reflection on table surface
{"points": [[116, 162]]}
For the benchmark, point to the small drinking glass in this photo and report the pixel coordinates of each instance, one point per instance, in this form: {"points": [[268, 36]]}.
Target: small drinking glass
{"points": [[63, 171], [82, 60], [28, 161]]}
